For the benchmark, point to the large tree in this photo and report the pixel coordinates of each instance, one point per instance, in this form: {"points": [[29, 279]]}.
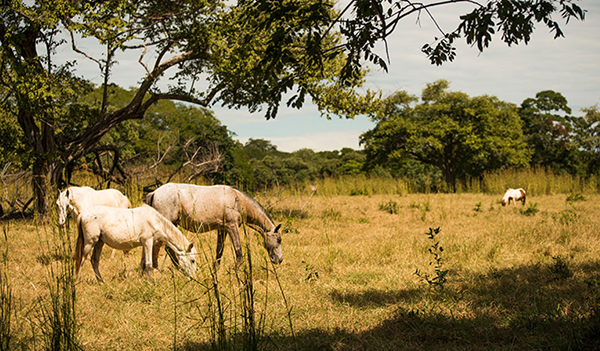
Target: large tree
{"points": [[245, 53], [587, 137], [459, 135], [548, 131]]}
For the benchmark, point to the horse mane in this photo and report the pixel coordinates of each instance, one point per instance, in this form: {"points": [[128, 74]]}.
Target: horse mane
{"points": [[150, 198], [254, 210], [178, 235]]}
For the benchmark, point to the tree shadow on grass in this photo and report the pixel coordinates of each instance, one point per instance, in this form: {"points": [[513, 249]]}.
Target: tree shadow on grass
{"points": [[531, 307]]}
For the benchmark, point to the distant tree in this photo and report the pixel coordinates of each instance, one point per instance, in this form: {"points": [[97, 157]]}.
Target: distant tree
{"points": [[587, 136], [259, 148], [185, 138], [459, 135], [548, 132]]}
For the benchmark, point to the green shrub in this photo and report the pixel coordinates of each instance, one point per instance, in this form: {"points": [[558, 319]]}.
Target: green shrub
{"points": [[391, 207]]}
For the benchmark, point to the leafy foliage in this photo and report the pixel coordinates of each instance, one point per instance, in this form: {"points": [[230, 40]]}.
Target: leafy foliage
{"points": [[390, 207], [459, 135], [438, 279], [548, 131]]}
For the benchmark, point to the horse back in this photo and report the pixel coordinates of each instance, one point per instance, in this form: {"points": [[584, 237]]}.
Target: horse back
{"points": [[197, 208], [120, 228]]}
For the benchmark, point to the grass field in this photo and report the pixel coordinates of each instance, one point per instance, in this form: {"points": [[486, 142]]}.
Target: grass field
{"points": [[506, 278]]}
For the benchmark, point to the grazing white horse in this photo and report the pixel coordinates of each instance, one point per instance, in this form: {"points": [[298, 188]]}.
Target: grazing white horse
{"points": [[223, 208], [79, 199], [514, 195], [124, 229]]}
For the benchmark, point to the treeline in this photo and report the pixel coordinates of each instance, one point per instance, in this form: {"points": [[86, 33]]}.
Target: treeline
{"points": [[436, 143]]}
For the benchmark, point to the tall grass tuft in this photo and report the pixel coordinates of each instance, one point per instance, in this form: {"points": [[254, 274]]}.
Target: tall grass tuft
{"points": [[358, 185], [6, 300], [537, 181], [57, 312], [238, 315]]}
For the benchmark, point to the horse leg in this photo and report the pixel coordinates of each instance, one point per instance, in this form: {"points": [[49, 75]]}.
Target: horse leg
{"points": [[95, 259], [234, 234], [146, 263], [87, 247], [155, 251], [220, 245]]}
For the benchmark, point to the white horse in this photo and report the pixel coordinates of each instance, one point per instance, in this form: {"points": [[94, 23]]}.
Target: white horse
{"points": [[124, 229], [514, 195], [201, 209], [79, 199]]}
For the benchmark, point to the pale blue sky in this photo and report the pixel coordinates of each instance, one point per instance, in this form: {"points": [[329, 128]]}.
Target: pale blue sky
{"points": [[569, 65]]}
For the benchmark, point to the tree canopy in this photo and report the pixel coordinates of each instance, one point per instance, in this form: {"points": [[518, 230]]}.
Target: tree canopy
{"points": [[459, 135]]}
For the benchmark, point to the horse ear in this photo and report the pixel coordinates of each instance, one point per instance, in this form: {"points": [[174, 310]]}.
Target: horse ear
{"points": [[67, 194], [190, 247], [277, 228]]}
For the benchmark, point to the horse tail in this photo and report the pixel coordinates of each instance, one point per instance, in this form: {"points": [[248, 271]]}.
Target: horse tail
{"points": [[79, 245], [150, 198]]}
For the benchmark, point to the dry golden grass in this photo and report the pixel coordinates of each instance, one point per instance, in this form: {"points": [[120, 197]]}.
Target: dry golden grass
{"points": [[348, 278]]}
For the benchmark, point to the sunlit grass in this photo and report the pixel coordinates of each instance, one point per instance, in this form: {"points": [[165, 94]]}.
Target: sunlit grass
{"points": [[514, 281]]}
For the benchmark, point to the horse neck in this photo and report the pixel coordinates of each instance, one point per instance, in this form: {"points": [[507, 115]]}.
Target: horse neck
{"points": [[173, 237], [255, 214]]}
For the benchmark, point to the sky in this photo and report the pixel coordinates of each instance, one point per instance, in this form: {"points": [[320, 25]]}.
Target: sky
{"points": [[569, 65]]}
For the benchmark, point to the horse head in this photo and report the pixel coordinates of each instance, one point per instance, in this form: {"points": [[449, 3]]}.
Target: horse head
{"points": [[184, 261], [63, 206], [273, 245]]}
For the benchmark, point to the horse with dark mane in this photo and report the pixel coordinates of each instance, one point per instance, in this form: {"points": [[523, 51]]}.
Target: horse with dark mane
{"points": [[200, 209]]}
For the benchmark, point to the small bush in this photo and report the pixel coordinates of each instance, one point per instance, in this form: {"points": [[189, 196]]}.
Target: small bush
{"points": [[332, 214], [560, 268], [531, 210], [574, 197], [359, 192], [438, 278], [566, 217], [312, 273], [289, 227], [391, 207]]}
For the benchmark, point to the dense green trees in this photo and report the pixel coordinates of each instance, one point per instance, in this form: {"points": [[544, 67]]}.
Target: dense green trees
{"points": [[187, 41], [549, 131], [459, 135], [239, 54]]}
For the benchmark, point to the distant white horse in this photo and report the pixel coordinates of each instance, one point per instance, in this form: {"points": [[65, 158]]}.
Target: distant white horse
{"points": [[124, 229], [514, 195], [201, 209], [79, 199]]}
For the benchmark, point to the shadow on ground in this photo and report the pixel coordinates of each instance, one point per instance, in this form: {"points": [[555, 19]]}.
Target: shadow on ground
{"points": [[533, 307]]}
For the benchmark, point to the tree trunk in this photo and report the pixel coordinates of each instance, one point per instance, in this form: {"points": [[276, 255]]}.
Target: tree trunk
{"points": [[40, 184], [450, 178]]}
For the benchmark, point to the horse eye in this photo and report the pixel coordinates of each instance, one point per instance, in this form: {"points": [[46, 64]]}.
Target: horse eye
{"points": [[279, 240]]}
